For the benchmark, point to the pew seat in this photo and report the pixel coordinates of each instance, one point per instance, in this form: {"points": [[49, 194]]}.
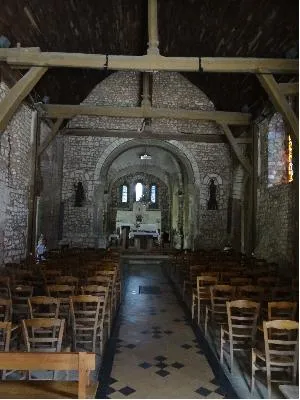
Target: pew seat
{"points": [[48, 389]]}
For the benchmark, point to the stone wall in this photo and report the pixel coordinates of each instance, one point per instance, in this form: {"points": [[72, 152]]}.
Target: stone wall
{"points": [[214, 161], [83, 155], [15, 152], [277, 216], [15, 175]]}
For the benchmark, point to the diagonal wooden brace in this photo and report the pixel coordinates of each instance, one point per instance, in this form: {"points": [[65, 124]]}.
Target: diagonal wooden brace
{"points": [[17, 94], [280, 103]]}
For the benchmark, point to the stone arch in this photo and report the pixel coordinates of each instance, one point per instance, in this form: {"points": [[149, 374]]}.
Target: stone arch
{"points": [[208, 177], [170, 90], [177, 149], [126, 171], [189, 168]]}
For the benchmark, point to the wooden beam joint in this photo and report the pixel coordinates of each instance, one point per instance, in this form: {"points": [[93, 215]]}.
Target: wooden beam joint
{"points": [[280, 103], [17, 94], [236, 149]]}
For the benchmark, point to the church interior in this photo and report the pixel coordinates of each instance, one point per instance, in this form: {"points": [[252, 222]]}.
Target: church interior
{"points": [[149, 194]]}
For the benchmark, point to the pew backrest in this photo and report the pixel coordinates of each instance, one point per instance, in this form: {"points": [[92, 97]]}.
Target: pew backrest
{"points": [[82, 362]]}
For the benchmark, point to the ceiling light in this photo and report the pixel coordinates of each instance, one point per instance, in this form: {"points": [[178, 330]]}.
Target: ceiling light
{"points": [[145, 156]]}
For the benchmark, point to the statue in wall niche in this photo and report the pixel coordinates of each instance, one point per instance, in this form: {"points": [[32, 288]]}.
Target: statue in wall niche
{"points": [[79, 194], [212, 201]]}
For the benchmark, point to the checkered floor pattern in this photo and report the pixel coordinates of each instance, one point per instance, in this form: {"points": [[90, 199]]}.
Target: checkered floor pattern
{"points": [[157, 354]]}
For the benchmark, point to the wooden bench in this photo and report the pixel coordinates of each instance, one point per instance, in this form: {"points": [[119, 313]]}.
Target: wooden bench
{"points": [[48, 389]]}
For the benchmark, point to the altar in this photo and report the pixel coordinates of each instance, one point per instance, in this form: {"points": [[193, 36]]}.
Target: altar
{"points": [[142, 226], [144, 236]]}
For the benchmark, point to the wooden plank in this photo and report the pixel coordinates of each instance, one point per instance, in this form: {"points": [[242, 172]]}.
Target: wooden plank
{"points": [[146, 102], [185, 137], [17, 94], [50, 138], [249, 65], [243, 160], [12, 389], [149, 62], [83, 376], [70, 111], [280, 102], [44, 361], [289, 88]]}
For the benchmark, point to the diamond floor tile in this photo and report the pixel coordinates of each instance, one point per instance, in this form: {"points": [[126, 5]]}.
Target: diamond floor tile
{"points": [[157, 351], [127, 390]]}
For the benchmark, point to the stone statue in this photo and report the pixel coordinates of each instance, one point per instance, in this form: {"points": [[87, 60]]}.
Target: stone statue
{"points": [[212, 202], [79, 194]]}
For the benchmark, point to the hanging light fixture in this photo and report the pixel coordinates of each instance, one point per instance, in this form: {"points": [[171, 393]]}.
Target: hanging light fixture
{"points": [[145, 156]]}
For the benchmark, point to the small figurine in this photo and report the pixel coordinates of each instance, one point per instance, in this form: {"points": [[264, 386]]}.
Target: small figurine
{"points": [[79, 194], [212, 202], [41, 249]]}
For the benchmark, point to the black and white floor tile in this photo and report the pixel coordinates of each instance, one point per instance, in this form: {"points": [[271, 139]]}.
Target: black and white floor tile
{"points": [[156, 352]]}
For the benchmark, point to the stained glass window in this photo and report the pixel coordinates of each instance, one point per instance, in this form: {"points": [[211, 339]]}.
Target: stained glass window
{"points": [[290, 160], [277, 151], [124, 193], [138, 191], [153, 194]]}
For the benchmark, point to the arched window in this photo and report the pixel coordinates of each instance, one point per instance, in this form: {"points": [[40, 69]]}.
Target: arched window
{"points": [[138, 191], [153, 194], [124, 194], [280, 158]]}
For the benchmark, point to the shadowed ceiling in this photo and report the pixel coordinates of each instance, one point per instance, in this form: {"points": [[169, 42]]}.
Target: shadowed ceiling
{"points": [[229, 28]]}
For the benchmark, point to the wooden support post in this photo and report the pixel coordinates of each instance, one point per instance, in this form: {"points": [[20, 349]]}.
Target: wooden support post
{"points": [[231, 139], [35, 127], [51, 136], [152, 28], [280, 102], [17, 94], [146, 90], [255, 161]]}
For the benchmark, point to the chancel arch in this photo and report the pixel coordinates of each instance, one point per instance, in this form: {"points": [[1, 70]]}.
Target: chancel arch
{"points": [[168, 168]]}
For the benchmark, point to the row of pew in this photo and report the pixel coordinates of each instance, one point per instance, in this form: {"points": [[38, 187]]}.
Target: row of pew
{"points": [[243, 305]]}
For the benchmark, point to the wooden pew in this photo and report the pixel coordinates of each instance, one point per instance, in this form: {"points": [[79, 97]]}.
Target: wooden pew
{"points": [[45, 389]]}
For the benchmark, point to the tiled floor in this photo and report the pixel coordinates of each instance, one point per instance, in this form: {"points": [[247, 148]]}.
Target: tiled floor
{"points": [[156, 353]]}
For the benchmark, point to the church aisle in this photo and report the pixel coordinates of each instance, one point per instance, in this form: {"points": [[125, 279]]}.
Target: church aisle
{"points": [[156, 353]]}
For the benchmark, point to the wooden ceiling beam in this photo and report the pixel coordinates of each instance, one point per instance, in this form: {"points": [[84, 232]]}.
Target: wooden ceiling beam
{"points": [[17, 94], [149, 62], [70, 111], [280, 102], [249, 65], [235, 147], [185, 137], [289, 88]]}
